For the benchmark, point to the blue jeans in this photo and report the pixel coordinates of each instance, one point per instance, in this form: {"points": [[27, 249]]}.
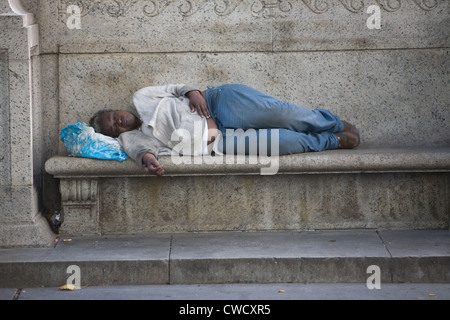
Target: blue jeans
{"points": [[299, 129]]}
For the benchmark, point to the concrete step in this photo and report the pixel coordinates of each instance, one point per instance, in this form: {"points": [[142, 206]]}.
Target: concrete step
{"points": [[234, 257]]}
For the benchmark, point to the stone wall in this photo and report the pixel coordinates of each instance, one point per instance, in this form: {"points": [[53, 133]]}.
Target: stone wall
{"points": [[21, 139], [392, 82]]}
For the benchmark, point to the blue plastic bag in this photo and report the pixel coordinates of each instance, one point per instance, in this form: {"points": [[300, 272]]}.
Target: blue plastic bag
{"points": [[81, 140]]}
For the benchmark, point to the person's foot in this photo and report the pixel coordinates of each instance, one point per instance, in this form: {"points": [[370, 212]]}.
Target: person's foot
{"points": [[349, 137], [348, 127], [347, 140]]}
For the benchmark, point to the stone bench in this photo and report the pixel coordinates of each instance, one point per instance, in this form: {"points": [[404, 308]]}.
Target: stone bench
{"points": [[340, 189]]}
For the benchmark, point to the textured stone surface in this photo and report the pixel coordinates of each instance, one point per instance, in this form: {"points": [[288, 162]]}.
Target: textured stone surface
{"points": [[287, 202], [392, 83], [396, 98], [368, 194], [316, 54], [21, 221], [103, 261], [361, 188], [357, 160], [241, 25], [233, 257], [423, 253], [5, 140], [280, 257], [228, 292]]}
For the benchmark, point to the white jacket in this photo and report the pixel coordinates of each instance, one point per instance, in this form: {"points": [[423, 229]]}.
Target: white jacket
{"points": [[167, 120]]}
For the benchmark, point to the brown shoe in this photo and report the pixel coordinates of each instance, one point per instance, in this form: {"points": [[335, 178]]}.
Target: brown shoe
{"points": [[348, 127], [347, 140]]}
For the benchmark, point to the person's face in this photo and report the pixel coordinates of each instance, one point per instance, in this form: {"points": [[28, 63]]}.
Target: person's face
{"points": [[116, 122]]}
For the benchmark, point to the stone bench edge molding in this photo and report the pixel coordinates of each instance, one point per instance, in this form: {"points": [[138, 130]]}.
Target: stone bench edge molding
{"points": [[337, 161]]}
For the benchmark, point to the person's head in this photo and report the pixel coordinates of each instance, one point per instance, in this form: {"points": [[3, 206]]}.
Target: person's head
{"points": [[114, 122]]}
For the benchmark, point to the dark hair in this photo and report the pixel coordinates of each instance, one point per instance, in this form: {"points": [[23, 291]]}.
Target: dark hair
{"points": [[96, 121]]}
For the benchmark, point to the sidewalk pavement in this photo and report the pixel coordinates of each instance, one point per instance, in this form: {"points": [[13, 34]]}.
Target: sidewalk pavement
{"points": [[239, 292]]}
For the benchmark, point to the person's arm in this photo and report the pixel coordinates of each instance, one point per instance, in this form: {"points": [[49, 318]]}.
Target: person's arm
{"points": [[150, 96], [152, 164], [142, 149], [159, 92], [198, 102]]}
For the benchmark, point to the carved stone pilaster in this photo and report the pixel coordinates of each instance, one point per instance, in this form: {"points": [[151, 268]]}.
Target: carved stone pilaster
{"points": [[80, 206], [78, 190], [21, 219]]}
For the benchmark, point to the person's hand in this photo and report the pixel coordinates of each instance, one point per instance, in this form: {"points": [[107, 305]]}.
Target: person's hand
{"points": [[153, 165], [198, 102]]}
